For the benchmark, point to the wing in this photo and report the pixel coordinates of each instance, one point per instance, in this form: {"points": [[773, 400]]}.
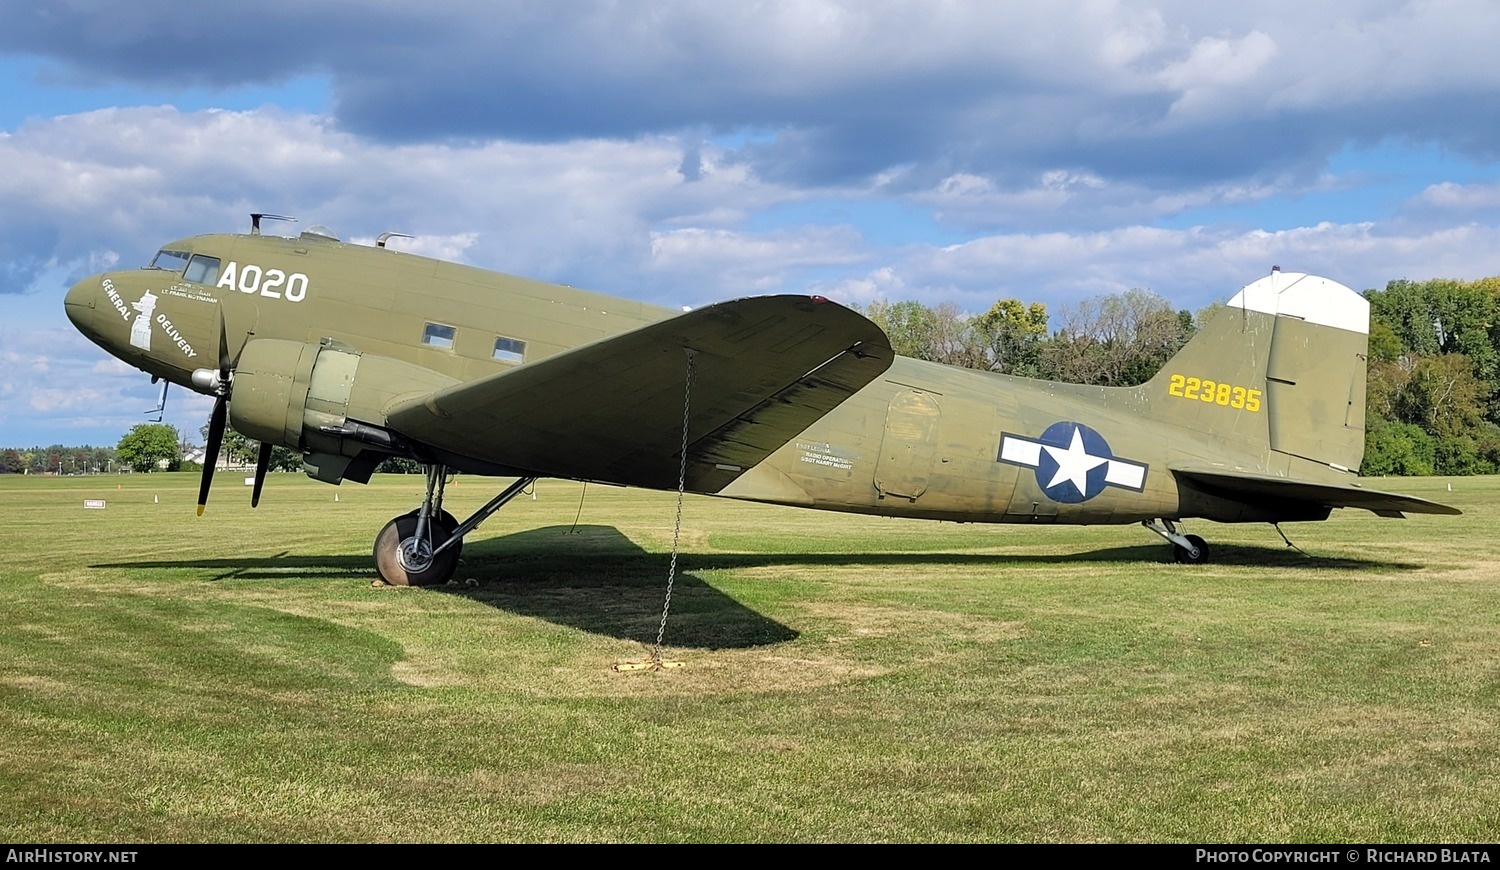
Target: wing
{"points": [[1266, 489], [763, 369]]}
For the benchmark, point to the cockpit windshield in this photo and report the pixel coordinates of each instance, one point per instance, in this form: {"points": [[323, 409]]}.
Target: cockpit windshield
{"points": [[169, 261], [200, 269], [203, 270]]}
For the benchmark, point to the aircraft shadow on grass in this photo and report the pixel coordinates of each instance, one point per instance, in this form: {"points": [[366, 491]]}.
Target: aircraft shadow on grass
{"points": [[594, 578]]}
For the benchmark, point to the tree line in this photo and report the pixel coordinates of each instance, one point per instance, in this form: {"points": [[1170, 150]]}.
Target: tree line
{"points": [[58, 459], [1432, 398], [151, 447], [147, 447], [1432, 404], [1116, 340]]}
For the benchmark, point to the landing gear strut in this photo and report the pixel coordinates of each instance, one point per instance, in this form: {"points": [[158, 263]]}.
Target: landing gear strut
{"points": [[421, 548], [1187, 549]]}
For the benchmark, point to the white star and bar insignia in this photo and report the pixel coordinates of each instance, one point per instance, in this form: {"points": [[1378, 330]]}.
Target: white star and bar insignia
{"points": [[1073, 463]]}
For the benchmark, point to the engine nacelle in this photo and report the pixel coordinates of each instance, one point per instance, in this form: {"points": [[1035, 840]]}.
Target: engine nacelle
{"points": [[325, 400]]}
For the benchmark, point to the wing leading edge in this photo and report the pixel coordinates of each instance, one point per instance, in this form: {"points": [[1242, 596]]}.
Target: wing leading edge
{"points": [[764, 369], [1264, 488]]}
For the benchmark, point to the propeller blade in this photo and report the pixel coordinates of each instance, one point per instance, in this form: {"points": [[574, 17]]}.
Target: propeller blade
{"points": [[262, 462], [211, 450], [225, 363]]}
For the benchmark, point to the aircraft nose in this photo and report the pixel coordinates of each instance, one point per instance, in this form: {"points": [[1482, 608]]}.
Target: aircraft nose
{"points": [[79, 304]]}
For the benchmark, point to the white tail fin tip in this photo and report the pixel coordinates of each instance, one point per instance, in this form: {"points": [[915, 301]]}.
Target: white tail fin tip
{"points": [[1306, 297]]}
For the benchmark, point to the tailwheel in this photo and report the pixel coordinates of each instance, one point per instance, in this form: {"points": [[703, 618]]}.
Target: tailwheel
{"points": [[1187, 549], [1195, 553], [403, 559]]}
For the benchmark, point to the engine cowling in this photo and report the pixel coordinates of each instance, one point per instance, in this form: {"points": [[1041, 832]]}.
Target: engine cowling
{"points": [[325, 400]]}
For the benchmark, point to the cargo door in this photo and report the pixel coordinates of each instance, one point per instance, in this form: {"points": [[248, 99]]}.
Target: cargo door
{"points": [[909, 445]]}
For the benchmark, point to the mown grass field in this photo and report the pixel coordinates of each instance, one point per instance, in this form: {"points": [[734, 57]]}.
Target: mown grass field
{"points": [[165, 678]]}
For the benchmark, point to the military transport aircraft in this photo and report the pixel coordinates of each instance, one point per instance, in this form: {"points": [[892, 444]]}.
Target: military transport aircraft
{"points": [[353, 353]]}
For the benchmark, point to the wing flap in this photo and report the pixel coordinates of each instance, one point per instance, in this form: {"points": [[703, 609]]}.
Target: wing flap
{"points": [[1261, 488], [764, 369], [752, 436]]}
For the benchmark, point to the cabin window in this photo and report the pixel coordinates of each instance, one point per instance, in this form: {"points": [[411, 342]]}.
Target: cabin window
{"points": [[169, 261], [202, 270], [438, 335], [511, 350]]}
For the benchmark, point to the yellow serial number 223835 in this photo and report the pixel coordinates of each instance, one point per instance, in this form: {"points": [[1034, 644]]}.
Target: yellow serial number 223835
{"points": [[1214, 393]]}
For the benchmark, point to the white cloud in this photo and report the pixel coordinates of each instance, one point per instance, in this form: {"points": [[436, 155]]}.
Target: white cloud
{"points": [[1217, 68], [1191, 268], [742, 264], [1461, 199], [882, 283], [114, 367]]}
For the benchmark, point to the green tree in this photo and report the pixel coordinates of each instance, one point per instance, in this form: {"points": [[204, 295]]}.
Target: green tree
{"points": [[1397, 449], [1444, 397], [283, 459], [941, 334], [1011, 334], [236, 449], [911, 326], [145, 446], [1117, 340], [1404, 307], [1439, 317], [103, 459], [1435, 364], [1385, 345], [951, 341]]}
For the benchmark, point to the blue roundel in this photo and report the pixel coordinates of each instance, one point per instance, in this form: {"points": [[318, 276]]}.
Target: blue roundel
{"points": [[1072, 453]]}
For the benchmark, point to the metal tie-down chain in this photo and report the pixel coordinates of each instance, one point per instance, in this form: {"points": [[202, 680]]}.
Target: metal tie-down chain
{"points": [[687, 404], [656, 663]]}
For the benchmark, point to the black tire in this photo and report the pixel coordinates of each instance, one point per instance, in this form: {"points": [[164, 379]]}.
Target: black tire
{"points": [[388, 561], [1186, 557]]}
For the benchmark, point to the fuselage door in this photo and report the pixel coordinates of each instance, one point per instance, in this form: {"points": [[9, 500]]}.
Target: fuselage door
{"points": [[909, 444]]}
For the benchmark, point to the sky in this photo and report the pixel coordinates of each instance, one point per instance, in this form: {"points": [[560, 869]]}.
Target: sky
{"points": [[686, 152]]}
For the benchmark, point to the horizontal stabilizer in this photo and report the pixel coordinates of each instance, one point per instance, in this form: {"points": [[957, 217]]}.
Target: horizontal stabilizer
{"points": [[764, 369], [1255, 488]]}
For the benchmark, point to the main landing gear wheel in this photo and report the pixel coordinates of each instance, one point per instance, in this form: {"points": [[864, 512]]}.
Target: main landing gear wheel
{"points": [[404, 560], [1197, 555], [447, 523]]}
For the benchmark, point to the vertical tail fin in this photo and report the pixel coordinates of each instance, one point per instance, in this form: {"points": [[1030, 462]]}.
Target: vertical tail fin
{"points": [[1281, 367]]}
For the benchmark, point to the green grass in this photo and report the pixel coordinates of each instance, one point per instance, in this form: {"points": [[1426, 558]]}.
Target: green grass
{"points": [[165, 678]]}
